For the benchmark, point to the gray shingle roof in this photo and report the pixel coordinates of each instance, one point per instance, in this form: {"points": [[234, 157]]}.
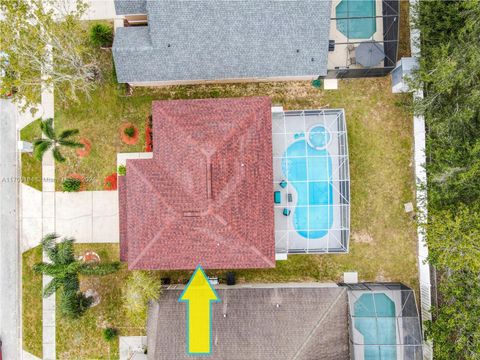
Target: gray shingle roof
{"points": [[130, 7], [309, 323], [218, 39]]}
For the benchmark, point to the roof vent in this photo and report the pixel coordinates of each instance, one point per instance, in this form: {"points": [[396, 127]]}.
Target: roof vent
{"points": [[191, 213]]}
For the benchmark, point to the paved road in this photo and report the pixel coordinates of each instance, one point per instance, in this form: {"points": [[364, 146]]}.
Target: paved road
{"points": [[9, 244]]}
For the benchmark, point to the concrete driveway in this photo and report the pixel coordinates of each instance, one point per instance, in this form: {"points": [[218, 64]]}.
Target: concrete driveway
{"points": [[9, 245]]}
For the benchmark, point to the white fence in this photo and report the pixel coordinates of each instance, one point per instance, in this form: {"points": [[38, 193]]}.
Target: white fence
{"points": [[421, 194]]}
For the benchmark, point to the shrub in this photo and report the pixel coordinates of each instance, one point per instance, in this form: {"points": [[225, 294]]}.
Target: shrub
{"points": [[110, 333], [141, 287], [74, 303], [110, 182], [71, 184], [122, 170], [129, 131], [101, 35]]}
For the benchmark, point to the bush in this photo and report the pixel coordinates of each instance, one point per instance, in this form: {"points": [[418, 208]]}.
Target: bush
{"points": [[122, 170], [129, 131], [71, 184], [109, 334], [74, 304], [141, 287], [101, 35]]}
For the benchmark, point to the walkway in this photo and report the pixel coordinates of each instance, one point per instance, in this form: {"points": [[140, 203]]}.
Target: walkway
{"points": [[48, 226], [10, 293]]}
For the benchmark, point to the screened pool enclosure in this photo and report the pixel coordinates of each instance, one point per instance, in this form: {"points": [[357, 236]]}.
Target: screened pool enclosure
{"points": [[363, 38], [311, 181], [383, 322]]}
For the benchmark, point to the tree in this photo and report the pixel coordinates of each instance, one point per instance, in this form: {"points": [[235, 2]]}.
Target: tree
{"points": [[455, 330], [65, 269], [53, 142], [453, 239], [449, 76], [36, 31]]}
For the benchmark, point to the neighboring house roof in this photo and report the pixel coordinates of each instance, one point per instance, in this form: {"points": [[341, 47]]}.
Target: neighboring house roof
{"points": [[206, 196], [309, 323], [217, 39], [130, 7]]}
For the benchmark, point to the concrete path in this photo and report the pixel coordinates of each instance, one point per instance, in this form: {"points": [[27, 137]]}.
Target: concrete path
{"points": [[27, 356], [48, 226], [10, 285]]}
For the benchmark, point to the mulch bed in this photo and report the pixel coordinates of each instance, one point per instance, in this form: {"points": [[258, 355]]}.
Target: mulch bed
{"points": [[85, 151], [130, 140]]}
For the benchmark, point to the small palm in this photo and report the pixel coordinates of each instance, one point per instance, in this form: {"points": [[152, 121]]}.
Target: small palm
{"points": [[65, 269], [54, 142]]}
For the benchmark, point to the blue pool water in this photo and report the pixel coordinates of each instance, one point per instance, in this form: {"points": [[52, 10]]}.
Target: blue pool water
{"points": [[356, 28], [309, 171], [375, 320]]}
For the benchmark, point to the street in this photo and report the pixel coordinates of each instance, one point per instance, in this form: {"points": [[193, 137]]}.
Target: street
{"points": [[9, 245]]}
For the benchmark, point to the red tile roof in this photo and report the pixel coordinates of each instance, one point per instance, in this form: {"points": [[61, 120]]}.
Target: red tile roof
{"points": [[206, 196]]}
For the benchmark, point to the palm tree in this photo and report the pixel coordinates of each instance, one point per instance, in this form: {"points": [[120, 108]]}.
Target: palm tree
{"points": [[53, 142], [65, 269]]}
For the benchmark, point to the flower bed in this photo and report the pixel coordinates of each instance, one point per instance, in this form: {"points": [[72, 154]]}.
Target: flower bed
{"points": [[129, 133], [149, 135], [110, 182]]}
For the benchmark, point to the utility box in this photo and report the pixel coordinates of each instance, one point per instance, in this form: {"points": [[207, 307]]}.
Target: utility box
{"points": [[404, 69]]}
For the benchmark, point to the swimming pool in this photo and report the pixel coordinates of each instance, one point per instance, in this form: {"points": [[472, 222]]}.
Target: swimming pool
{"points": [[353, 27], [375, 320], [307, 166]]}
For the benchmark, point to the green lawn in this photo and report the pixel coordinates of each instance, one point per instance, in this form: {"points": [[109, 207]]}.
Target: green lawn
{"points": [[32, 302], [31, 167]]}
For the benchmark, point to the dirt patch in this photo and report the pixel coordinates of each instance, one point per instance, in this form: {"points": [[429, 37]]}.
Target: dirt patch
{"points": [[362, 237]]}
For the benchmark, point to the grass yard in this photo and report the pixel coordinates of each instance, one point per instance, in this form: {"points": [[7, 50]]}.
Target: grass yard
{"points": [[31, 167], [32, 302]]}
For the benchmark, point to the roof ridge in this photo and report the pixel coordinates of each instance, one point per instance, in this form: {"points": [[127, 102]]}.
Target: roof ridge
{"points": [[149, 183], [319, 322]]}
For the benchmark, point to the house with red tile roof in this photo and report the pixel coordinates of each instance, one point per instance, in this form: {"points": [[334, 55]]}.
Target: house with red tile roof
{"points": [[206, 195]]}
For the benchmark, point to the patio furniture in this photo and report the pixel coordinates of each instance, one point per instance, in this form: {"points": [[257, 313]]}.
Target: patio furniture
{"points": [[277, 197], [350, 47], [331, 45], [369, 53], [283, 184], [352, 60], [289, 197], [286, 211]]}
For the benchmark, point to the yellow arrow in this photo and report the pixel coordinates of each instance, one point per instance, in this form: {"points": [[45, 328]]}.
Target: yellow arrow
{"points": [[199, 295]]}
